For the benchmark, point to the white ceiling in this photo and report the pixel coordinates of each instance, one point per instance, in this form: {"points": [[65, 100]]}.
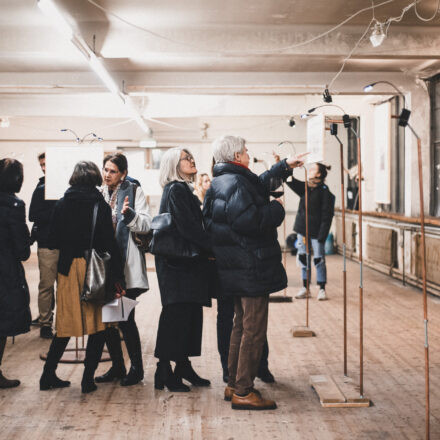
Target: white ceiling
{"points": [[218, 46]]}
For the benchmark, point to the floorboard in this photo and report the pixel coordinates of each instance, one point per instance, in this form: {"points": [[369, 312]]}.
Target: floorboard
{"points": [[393, 375]]}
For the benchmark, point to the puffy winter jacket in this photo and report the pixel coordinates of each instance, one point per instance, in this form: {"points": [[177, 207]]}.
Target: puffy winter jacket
{"points": [[243, 222]]}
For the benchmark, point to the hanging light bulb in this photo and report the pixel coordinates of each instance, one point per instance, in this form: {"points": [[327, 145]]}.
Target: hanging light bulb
{"points": [[378, 35]]}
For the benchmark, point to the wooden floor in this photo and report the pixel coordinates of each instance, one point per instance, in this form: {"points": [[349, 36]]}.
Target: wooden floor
{"points": [[394, 378]]}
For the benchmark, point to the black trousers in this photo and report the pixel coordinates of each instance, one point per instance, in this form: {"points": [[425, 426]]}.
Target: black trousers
{"points": [[131, 336], [179, 334], [225, 320]]}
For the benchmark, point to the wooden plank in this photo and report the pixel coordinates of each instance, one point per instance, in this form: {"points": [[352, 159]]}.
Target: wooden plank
{"points": [[331, 396], [326, 389], [302, 332]]}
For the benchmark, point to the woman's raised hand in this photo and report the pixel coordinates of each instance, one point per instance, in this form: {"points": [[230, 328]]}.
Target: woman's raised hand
{"points": [[296, 161], [125, 206]]}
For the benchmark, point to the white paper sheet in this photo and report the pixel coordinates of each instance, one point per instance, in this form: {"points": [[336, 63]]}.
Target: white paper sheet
{"points": [[118, 310]]}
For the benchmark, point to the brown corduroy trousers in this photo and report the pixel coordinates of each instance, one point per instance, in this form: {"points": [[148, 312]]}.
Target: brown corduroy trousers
{"points": [[247, 339]]}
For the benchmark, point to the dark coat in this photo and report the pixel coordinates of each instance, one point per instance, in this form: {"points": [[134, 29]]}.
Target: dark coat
{"points": [[15, 314], [40, 212], [321, 204], [184, 280], [71, 229], [243, 222]]}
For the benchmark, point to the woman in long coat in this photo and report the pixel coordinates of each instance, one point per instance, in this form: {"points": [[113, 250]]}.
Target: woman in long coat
{"points": [[70, 232], [130, 214], [15, 315], [183, 282]]}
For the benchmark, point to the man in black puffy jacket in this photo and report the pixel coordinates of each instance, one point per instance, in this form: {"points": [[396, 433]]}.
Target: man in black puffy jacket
{"points": [[40, 212], [243, 225]]}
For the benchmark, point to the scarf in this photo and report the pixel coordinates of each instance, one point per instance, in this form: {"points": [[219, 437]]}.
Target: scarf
{"points": [[239, 164], [111, 200]]}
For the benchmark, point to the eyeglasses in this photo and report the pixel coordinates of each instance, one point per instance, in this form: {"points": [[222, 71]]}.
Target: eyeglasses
{"points": [[188, 158]]}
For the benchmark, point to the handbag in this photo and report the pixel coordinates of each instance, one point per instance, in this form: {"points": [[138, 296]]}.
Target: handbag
{"points": [[166, 240], [96, 289]]}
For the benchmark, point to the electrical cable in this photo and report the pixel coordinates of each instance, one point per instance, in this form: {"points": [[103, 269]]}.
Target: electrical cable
{"points": [[265, 51], [387, 23], [350, 54], [427, 19]]}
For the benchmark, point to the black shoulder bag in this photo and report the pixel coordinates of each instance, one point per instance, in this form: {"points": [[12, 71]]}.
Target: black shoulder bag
{"points": [[95, 289], [167, 241]]}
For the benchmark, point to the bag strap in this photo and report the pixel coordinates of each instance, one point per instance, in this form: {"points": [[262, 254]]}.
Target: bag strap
{"points": [[95, 215]]}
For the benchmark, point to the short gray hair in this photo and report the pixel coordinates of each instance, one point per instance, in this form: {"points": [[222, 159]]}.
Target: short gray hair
{"points": [[225, 147], [169, 166]]}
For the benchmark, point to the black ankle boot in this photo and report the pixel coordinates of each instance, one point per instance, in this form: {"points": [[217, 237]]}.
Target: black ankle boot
{"points": [[112, 374], [134, 376], [225, 375], [95, 345], [117, 370], [50, 380], [184, 370], [164, 377], [88, 386], [265, 375], [133, 344], [8, 383]]}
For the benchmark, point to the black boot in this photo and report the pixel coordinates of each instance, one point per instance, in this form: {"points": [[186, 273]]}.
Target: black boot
{"points": [[117, 370], [225, 375], [8, 383], [49, 379], [164, 376], [184, 370], [265, 375], [95, 345], [133, 344]]}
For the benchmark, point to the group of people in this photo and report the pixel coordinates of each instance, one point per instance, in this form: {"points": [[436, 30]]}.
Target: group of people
{"points": [[230, 225]]}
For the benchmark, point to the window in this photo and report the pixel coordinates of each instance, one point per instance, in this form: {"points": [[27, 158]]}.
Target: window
{"points": [[434, 93]]}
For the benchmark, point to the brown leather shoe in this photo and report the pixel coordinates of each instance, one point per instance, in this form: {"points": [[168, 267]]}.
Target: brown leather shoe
{"points": [[252, 401], [229, 391]]}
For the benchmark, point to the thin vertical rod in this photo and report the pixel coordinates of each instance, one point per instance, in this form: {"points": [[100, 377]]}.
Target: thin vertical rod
{"points": [[344, 247], [361, 286], [306, 197], [425, 296], [284, 238]]}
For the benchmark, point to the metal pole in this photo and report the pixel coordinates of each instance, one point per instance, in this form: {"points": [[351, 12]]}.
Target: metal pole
{"points": [[306, 197], [344, 248], [425, 295], [284, 237], [361, 286]]}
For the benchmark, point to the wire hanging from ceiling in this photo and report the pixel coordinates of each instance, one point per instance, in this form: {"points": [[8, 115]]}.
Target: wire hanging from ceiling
{"points": [[430, 18], [261, 51]]}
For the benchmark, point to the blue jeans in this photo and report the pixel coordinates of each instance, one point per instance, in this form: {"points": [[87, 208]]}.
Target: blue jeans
{"points": [[318, 258]]}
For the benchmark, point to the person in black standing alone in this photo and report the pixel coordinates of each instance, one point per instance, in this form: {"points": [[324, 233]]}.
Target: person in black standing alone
{"points": [[40, 212], [321, 207], [15, 314], [183, 282]]}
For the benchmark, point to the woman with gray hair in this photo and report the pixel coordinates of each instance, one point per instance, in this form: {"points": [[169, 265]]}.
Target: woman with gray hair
{"points": [[183, 282], [242, 222]]}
